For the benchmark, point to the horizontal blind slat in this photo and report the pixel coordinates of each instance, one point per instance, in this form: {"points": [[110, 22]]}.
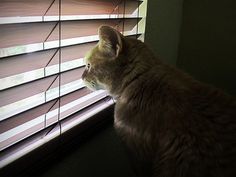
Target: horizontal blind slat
{"points": [[21, 118], [24, 34], [71, 57], [38, 92], [26, 90], [48, 88], [14, 152], [69, 104], [44, 8]]}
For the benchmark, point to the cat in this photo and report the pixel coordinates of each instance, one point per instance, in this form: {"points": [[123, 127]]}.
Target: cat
{"points": [[180, 126]]}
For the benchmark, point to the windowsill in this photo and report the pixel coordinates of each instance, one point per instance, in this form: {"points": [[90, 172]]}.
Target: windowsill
{"points": [[47, 155]]}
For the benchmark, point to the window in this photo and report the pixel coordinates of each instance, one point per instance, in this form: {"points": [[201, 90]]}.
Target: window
{"points": [[42, 47]]}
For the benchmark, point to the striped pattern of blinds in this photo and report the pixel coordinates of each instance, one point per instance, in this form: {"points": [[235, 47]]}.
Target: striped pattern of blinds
{"points": [[42, 46]]}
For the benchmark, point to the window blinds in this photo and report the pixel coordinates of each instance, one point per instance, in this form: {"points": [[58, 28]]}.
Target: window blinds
{"points": [[42, 46]]}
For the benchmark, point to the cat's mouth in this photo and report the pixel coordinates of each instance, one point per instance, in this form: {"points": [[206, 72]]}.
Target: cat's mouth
{"points": [[92, 85]]}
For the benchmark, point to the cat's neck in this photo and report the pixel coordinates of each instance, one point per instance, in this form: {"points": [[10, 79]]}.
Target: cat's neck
{"points": [[140, 83], [137, 61]]}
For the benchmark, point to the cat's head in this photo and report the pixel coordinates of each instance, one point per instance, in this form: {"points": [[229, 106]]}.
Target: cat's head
{"points": [[115, 61], [102, 62]]}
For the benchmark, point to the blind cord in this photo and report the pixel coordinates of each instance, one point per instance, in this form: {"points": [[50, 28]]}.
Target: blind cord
{"points": [[48, 9], [123, 27], [59, 106], [137, 21]]}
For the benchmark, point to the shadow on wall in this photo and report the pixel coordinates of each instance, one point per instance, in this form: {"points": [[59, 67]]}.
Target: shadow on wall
{"points": [[163, 28], [207, 48], [197, 36]]}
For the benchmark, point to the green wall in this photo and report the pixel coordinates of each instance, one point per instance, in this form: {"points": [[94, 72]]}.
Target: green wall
{"points": [[163, 28], [207, 48], [197, 36]]}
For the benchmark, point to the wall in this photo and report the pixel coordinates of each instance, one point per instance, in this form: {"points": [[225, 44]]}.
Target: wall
{"points": [[207, 47], [163, 27]]}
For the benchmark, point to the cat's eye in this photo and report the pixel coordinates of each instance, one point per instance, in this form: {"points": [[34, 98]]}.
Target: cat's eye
{"points": [[88, 66]]}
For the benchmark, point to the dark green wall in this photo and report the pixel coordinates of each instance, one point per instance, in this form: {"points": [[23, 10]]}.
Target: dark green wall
{"points": [[163, 28], [207, 48]]}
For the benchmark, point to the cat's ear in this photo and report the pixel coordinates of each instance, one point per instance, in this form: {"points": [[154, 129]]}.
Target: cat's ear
{"points": [[110, 40]]}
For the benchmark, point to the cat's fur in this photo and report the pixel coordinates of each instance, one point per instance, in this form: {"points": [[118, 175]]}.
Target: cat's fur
{"points": [[183, 127]]}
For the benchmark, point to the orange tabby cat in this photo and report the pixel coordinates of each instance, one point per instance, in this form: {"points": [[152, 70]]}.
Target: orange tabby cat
{"points": [[183, 127]]}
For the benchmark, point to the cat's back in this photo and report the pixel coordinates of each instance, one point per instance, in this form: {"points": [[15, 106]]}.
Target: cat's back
{"points": [[211, 127], [180, 121], [213, 122]]}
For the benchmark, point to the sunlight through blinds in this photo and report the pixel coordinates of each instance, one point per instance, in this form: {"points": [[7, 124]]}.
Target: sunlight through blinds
{"points": [[42, 46]]}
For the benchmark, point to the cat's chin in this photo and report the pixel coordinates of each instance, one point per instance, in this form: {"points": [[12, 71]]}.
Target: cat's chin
{"points": [[91, 87], [88, 85]]}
